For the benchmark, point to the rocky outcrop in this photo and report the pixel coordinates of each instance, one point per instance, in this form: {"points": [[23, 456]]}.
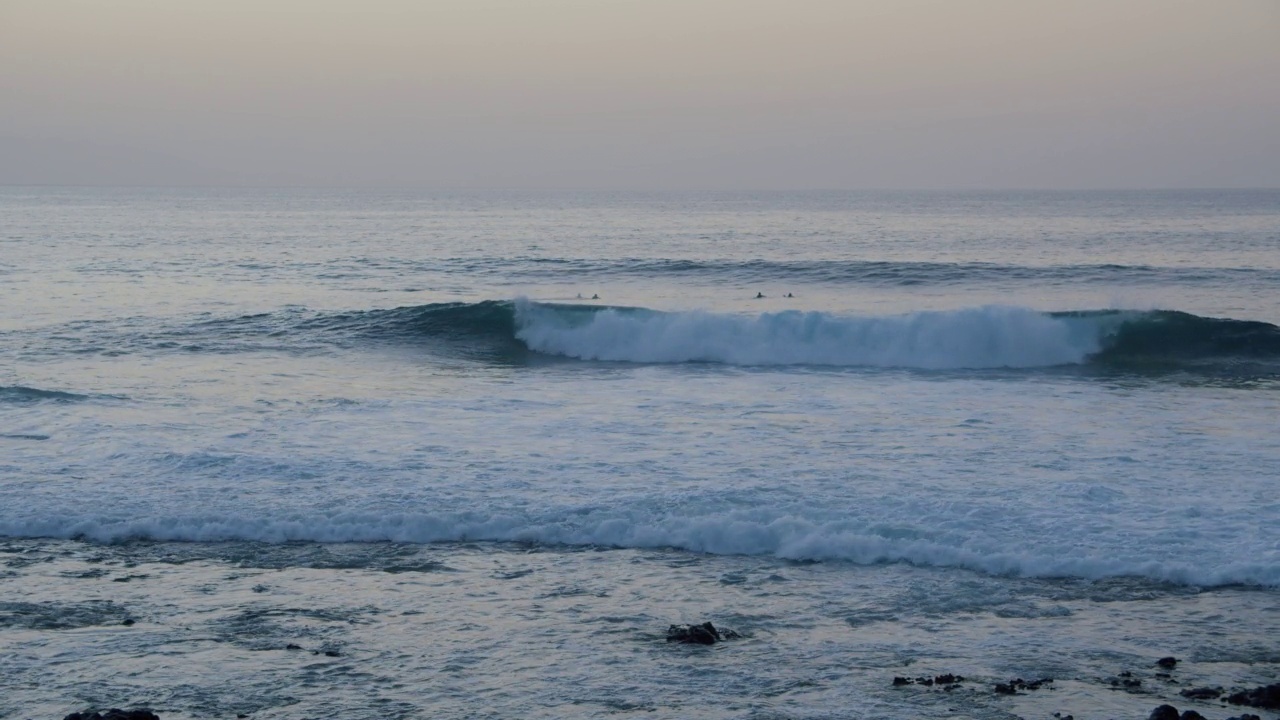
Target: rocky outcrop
{"points": [[704, 634], [947, 681], [1013, 686], [114, 714], [1267, 696]]}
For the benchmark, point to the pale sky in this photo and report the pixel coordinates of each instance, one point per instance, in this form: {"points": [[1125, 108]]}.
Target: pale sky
{"points": [[642, 94]]}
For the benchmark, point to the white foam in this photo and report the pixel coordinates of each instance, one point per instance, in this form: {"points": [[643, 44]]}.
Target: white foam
{"points": [[984, 337], [742, 533]]}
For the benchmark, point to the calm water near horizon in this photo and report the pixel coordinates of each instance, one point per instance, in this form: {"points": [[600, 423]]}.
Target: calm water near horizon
{"points": [[323, 453]]}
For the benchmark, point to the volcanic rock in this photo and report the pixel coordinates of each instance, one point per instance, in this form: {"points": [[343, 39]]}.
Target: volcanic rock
{"points": [[114, 714], [1267, 696]]}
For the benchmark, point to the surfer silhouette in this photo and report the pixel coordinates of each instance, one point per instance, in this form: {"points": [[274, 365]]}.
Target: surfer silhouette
{"points": [[595, 297], [759, 295]]}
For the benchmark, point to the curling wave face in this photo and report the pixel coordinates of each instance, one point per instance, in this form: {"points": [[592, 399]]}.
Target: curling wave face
{"points": [[973, 338], [989, 337]]}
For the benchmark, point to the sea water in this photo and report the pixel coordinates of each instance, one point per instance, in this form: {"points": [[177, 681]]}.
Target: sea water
{"points": [[330, 453]]}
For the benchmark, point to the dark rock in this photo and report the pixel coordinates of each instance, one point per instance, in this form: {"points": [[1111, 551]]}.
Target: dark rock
{"points": [[1267, 696], [1192, 715], [128, 622], [1131, 683], [1013, 686], [1164, 712], [114, 714], [332, 653], [1245, 716], [291, 646], [704, 634], [1204, 693], [947, 681], [1168, 662]]}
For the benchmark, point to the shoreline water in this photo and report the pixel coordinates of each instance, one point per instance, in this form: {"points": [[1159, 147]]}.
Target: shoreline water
{"points": [[460, 630]]}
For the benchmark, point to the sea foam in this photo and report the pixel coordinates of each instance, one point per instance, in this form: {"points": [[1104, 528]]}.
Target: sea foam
{"points": [[782, 536], [985, 337]]}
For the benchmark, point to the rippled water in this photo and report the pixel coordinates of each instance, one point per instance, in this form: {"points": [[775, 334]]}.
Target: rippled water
{"points": [[999, 435]]}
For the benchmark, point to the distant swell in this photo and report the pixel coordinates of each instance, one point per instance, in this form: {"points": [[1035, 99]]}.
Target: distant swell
{"points": [[731, 534], [19, 394], [883, 273]]}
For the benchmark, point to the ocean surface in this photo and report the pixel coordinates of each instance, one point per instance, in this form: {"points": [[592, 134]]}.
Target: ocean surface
{"points": [[402, 454]]}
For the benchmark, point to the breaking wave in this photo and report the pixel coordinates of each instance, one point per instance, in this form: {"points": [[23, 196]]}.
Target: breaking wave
{"points": [[975, 338], [734, 533], [520, 330]]}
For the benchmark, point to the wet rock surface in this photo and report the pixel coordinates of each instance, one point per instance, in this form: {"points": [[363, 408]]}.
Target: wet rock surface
{"points": [[946, 681], [114, 714], [1013, 686], [703, 634], [1266, 696]]}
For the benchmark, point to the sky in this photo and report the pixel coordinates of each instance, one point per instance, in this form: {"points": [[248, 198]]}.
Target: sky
{"points": [[642, 94]]}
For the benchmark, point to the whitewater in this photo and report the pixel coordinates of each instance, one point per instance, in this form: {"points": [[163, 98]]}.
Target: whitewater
{"points": [[401, 454]]}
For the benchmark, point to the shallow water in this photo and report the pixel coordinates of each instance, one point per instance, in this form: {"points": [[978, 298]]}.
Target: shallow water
{"points": [[504, 630]]}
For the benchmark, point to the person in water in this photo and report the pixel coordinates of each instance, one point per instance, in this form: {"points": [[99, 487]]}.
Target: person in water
{"points": [[759, 295]]}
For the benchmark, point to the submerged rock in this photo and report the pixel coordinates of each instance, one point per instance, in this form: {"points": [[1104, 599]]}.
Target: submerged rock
{"points": [[704, 634], [1013, 686], [1167, 662], [1203, 693], [114, 714], [1164, 712], [1126, 680]]}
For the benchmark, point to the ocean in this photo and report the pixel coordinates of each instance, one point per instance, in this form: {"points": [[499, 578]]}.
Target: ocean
{"points": [[285, 453]]}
